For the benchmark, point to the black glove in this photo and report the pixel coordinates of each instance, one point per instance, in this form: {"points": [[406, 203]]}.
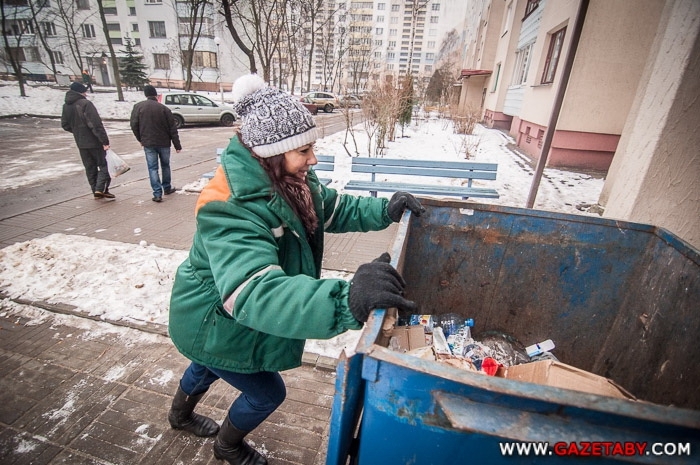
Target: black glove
{"points": [[399, 202], [377, 285]]}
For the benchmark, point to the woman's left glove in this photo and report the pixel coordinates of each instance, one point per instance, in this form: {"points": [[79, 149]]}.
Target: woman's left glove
{"points": [[401, 201], [378, 285]]}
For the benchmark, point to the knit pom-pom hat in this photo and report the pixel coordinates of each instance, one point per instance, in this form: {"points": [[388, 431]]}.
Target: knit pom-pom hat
{"points": [[273, 122]]}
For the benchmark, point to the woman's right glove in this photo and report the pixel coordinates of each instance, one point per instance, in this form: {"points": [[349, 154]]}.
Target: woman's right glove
{"points": [[378, 285]]}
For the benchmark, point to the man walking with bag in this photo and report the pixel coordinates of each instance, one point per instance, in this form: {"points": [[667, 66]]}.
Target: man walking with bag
{"points": [[153, 125], [80, 117]]}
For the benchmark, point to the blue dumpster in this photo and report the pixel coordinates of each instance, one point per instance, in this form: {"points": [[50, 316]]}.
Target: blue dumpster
{"points": [[620, 299]]}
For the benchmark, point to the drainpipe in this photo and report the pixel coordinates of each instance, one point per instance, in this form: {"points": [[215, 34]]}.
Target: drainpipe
{"points": [[554, 117]]}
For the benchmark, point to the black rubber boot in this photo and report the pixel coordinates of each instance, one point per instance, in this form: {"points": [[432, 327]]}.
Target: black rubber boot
{"points": [[182, 416], [230, 446]]}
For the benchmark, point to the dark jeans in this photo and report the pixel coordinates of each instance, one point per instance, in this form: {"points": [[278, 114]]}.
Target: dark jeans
{"points": [[261, 393], [95, 163], [154, 156]]}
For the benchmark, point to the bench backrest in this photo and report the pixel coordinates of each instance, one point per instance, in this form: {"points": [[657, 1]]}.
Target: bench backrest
{"points": [[325, 163], [443, 169]]}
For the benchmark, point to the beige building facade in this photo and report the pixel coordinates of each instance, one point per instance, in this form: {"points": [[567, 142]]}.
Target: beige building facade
{"points": [[631, 105]]}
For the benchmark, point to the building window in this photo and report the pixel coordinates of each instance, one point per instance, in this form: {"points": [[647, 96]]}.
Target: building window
{"points": [[550, 65], [395, 7], [161, 61], [392, 44], [49, 29], [132, 11], [531, 6], [32, 54], [205, 60], [431, 44], [391, 56], [379, 31], [380, 19], [495, 77], [392, 32], [88, 30], [381, 6], [428, 68], [434, 19], [22, 26], [378, 55], [436, 7], [429, 56], [153, 1], [157, 29], [522, 64], [110, 10], [83, 4], [134, 27], [57, 57], [508, 18], [378, 43]]}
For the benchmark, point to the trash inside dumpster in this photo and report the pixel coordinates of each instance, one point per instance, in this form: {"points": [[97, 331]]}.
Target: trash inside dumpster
{"points": [[615, 304]]}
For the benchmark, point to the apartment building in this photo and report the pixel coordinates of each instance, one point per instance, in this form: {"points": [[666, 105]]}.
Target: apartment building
{"points": [[159, 29], [357, 44], [374, 42], [630, 105]]}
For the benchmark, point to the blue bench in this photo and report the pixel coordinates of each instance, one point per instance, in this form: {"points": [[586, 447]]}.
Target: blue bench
{"points": [[467, 171], [325, 163], [210, 174]]}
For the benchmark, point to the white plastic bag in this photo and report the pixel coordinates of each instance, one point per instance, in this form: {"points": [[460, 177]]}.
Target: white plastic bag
{"points": [[115, 164]]}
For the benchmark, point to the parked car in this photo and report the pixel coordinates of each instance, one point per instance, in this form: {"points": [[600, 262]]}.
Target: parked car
{"points": [[190, 107], [350, 101], [312, 107], [324, 100]]}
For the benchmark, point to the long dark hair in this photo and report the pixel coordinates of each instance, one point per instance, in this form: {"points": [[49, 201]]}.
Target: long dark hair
{"points": [[293, 189]]}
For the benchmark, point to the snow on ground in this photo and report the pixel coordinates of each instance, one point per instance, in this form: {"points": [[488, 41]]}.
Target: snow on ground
{"points": [[136, 286]]}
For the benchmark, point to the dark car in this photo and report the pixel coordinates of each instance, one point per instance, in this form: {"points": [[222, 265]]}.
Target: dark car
{"points": [[312, 107]]}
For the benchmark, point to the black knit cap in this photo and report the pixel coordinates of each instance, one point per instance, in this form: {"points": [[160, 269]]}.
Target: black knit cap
{"points": [[149, 91], [78, 87]]}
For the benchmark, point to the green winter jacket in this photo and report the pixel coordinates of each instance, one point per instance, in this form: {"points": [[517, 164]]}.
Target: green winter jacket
{"points": [[249, 294]]}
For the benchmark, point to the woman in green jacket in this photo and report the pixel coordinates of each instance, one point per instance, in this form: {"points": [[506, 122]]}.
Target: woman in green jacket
{"points": [[250, 292]]}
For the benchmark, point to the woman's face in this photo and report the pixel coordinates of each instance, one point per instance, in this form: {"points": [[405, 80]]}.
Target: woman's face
{"points": [[297, 161]]}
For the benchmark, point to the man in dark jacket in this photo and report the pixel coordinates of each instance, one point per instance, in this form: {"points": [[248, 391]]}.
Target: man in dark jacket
{"points": [[80, 117], [154, 126]]}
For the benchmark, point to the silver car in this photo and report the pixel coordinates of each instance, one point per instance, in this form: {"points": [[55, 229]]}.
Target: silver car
{"points": [[192, 108]]}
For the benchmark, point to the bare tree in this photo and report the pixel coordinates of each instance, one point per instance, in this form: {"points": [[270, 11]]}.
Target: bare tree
{"points": [[290, 48], [37, 12], [227, 11], [192, 19], [262, 23], [417, 8], [14, 27], [112, 55], [70, 25]]}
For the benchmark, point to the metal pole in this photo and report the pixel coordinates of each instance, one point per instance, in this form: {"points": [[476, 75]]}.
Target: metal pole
{"points": [[218, 71], [554, 117]]}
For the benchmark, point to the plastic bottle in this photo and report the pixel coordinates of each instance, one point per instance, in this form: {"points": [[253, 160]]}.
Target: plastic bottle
{"points": [[468, 324]]}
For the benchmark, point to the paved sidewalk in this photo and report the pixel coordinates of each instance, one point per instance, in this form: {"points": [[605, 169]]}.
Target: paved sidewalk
{"points": [[76, 391], [133, 218]]}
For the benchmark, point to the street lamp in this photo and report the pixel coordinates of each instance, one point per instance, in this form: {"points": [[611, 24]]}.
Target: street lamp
{"points": [[217, 41]]}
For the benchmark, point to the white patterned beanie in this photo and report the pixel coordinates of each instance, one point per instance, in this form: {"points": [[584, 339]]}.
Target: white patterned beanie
{"points": [[273, 122]]}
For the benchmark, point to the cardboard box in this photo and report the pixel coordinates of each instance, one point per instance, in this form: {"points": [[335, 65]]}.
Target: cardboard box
{"points": [[557, 374], [409, 337]]}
